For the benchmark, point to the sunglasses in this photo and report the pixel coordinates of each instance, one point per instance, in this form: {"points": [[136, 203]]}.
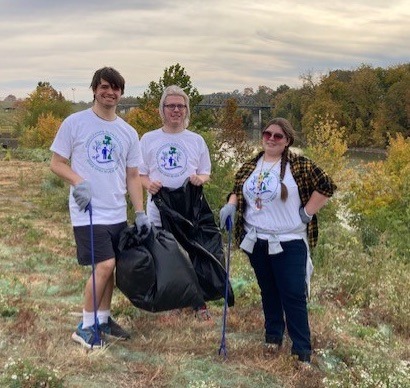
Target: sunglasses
{"points": [[269, 135], [174, 106]]}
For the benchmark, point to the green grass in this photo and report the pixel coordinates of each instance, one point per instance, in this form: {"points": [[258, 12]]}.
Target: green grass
{"points": [[359, 312]]}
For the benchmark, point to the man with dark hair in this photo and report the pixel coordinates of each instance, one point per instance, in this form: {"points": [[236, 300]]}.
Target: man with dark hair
{"points": [[112, 76], [99, 155]]}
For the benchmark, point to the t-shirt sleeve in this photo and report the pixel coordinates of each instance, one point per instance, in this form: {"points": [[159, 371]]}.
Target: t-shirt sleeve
{"points": [[62, 143], [134, 155], [204, 167], [143, 168]]}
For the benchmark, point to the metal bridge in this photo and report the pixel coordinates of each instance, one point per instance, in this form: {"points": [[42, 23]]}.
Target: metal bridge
{"points": [[219, 101]]}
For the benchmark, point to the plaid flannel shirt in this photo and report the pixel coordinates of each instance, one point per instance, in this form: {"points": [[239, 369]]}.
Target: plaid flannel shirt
{"points": [[308, 176]]}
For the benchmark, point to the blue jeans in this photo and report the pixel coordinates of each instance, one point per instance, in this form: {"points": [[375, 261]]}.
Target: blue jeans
{"points": [[281, 279]]}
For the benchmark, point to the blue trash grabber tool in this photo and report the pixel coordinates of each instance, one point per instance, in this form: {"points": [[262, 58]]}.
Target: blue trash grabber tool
{"points": [[97, 339], [222, 348]]}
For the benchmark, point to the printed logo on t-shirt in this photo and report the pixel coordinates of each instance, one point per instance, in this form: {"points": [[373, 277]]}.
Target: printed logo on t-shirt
{"points": [[264, 186], [172, 160], [103, 149]]}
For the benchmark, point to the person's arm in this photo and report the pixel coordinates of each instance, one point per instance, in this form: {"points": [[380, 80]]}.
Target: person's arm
{"points": [[199, 180], [59, 166], [151, 186], [315, 203], [134, 187], [233, 199]]}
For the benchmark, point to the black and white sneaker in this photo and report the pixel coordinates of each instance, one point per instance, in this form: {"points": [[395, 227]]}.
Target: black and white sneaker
{"points": [[113, 329]]}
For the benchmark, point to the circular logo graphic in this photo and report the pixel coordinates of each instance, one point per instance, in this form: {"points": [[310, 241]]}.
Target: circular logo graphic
{"points": [[103, 151], [172, 159], [263, 185]]}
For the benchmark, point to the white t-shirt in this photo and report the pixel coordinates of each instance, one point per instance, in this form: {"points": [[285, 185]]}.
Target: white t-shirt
{"points": [[99, 152], [171, 158], [275, 215]]}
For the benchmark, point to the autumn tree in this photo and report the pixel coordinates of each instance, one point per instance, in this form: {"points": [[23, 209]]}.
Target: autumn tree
{"points": [[231, 136], [287, 103], [380, 200], [42, 134], [365, 92], [371, 103], [144, 119], [393, 115], [326, 145], [45, 99], [329, 97]]}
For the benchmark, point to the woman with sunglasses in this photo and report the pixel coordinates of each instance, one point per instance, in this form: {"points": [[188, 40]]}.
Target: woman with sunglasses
{"points": [[277, 195]]}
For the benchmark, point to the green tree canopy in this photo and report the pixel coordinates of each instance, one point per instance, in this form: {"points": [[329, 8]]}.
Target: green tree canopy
{"points": [[371, 103], [174, 75], [177, 75]]}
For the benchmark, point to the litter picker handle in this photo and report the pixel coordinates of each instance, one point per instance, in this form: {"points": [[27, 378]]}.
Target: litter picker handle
{"points": [[222, 349], [228, 223]]}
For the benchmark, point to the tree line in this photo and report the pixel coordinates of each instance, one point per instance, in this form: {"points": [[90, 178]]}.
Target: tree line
{"points": [[368, 104], [371, 104]]}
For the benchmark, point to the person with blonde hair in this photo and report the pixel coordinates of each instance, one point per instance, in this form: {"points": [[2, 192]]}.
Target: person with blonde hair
{"points": [[172, 154]]}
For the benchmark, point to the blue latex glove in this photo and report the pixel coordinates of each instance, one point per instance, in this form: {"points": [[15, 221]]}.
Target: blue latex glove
{"points": [[227, 210], [306, 218], [82, 194], [142, 224]]}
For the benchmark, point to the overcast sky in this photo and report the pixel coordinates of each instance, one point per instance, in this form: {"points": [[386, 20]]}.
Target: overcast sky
{"points": [[224, 45]]}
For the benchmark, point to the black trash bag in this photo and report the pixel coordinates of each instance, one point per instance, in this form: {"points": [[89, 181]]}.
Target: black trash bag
{"points": [[185, 213], [156, 274]]}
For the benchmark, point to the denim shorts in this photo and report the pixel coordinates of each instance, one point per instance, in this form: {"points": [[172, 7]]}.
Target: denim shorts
{"points": [[106, 238]]}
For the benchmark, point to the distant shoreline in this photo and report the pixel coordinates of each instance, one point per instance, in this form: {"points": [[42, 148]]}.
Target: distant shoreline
{"points": [[368, 150]]}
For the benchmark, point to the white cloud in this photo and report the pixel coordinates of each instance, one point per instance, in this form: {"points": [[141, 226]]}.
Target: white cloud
{"points": [[223, 46]]}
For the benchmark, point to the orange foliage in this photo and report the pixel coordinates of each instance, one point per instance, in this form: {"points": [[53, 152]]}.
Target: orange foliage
{"points": [[144, 120], [41, 135], [384, 183]]}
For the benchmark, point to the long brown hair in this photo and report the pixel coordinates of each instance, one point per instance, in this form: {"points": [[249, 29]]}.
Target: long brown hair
{"points": [[290, 134]]}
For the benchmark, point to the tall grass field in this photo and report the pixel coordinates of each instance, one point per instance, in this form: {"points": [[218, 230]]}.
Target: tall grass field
{"points": [[359, 309]]}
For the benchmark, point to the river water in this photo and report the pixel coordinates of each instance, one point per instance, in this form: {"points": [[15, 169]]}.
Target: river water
{"points": [[365, 156]]}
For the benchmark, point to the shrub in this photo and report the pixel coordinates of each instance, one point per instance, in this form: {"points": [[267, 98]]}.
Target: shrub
{"points": [[372, 280], [43, 133], [380, 201]]}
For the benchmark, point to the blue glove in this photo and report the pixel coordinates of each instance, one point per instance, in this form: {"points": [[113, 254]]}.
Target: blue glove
{"points": [[142, 224], [82, 194], [227, 210], [306, 218]]}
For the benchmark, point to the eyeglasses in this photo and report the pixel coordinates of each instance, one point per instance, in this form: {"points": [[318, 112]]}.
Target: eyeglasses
{"points": [[173, 106], [269, 135]]}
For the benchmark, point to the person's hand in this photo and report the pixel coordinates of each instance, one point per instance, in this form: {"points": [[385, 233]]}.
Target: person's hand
{"points": [[82, 194], [196, 180], [228, 210], [305, 217], [142, 224], [154, 187]]}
